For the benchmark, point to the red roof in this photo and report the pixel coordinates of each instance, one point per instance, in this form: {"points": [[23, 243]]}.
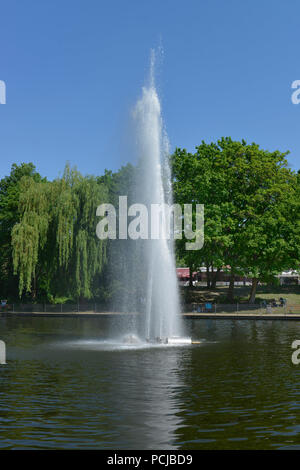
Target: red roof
{"points": [[184, 272]]}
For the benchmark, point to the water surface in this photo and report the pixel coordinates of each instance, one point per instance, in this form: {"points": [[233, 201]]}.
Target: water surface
{"points": [[67, 385]]}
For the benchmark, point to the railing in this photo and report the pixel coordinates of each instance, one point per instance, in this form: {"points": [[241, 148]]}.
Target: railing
{"points": [[210, 307], [207, 307], [54, 308], [293, 309]]}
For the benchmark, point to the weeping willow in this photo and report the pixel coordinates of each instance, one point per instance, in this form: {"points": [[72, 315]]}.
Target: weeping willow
{"points": [[55, 240]]}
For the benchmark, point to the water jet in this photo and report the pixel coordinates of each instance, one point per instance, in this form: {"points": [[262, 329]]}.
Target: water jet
{"points": [[162, 321]]}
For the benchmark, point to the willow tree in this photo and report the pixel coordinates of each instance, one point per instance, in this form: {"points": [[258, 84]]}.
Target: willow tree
{"points": [[9, 216], [55, 249]]}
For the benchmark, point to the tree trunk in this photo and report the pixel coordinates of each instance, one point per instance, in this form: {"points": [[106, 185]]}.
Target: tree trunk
{"points": [[191, 276], [253, 290], [214, 279], [33, 293], [230, 293], [207, 276]]}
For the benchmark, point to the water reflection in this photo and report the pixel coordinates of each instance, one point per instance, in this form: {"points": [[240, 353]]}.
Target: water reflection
{"points": [[67, 386], [147, 400], [143, 392]]}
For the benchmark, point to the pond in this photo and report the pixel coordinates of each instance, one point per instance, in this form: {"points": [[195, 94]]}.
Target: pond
{"points": [[67, 385]]}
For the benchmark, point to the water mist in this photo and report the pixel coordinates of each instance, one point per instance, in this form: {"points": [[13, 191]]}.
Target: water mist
{"points": [[161, 314], [146, 267]]}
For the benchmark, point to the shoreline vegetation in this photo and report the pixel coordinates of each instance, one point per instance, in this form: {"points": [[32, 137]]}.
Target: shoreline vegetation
{"points": [[49, 252]]}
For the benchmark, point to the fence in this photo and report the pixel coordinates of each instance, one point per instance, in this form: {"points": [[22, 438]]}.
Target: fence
{"points": [[54, 308], [207, 307], [210, 307]]}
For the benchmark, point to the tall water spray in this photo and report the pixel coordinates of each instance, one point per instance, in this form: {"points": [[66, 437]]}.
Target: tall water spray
{"points": [[153, 186]]}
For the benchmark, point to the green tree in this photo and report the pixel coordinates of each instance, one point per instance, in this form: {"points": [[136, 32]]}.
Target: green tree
{"points": [[55, 248], [251, 201], [117, 286], [10, 190]]}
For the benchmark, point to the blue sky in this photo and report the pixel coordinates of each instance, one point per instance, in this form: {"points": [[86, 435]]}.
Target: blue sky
{"points": [[73, 70]]}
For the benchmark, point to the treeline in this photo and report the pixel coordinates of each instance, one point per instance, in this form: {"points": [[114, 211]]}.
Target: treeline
{"points": [[49, 251]]}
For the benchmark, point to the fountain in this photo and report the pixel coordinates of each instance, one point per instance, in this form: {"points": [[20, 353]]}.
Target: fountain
{"points": [[161, 311]]}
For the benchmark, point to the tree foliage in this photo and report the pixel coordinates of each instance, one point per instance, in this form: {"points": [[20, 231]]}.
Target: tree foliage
{"points": [[10, 192], [48, 243], [55, 239], [251, 201]]}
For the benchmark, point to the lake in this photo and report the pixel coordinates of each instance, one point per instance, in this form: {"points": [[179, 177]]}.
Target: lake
{"points": [[66, 385]]}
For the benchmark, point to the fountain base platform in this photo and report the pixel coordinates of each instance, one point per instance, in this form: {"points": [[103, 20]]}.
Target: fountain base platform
{"points": [[171, 340], [176, 340]]}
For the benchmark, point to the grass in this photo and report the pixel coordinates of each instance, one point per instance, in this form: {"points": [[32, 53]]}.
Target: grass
{"points": [[241, 294]]}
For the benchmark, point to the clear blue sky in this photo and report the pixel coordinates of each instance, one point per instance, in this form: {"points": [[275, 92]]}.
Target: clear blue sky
{"points": [[74, 68]]}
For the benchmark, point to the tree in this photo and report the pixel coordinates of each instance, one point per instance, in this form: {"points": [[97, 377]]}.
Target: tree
{"points": [[118, 286], [55, 249], [10, 190], [196, 181], [251, 201]]}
